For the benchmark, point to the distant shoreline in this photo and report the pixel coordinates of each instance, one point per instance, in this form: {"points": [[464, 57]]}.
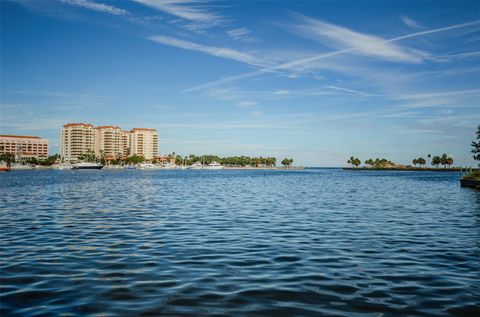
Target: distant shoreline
{"points": [[266, 168], [412, 169]]}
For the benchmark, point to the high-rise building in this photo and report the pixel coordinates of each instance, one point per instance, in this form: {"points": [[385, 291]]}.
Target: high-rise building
{"points": [[76, 139], [126, 142], [144, 142], [24, 146], [109, 142]]}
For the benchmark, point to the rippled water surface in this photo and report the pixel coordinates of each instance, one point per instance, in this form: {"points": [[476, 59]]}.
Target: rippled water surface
{"points": [[238, 243]]}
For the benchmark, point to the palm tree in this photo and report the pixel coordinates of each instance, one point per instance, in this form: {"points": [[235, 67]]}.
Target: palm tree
{"points": [[7, 158], [421, 161], [443, 160], [287, 162], [429, 156], [449, 161], [350, 161], [415, 161], [357, 162]]}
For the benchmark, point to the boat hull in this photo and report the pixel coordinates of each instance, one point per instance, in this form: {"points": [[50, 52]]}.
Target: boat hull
{"points": [[87, 167]]}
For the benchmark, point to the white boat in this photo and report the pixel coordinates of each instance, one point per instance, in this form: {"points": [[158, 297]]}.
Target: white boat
{"points": [[196, 166], [87, 166], [18, 166], [215, 166], [145, 166], [62, 166]]}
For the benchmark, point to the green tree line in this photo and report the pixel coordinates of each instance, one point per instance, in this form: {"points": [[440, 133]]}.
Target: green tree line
{"points": [[227, 161], [10, 158]]}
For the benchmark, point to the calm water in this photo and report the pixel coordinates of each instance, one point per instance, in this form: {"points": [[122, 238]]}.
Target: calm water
{"points": [[238, 243]]}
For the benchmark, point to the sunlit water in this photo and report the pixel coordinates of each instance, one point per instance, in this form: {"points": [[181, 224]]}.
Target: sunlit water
{"points": [[238, 243]]}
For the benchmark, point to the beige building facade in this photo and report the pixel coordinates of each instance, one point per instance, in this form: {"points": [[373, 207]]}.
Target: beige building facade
{"points": [[109, 142], [76, 139], [144, 142], [24, 146]]}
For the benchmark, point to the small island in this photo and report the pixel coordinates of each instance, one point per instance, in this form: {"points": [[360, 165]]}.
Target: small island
{"points": [[419, 164], [438, 163]]}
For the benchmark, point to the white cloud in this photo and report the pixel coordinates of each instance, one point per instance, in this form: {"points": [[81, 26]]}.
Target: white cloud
{"points": [[349, 91], [317, 57], [411, 23], [240, 34], [88, 4], [466, 92], [222, 52], [192, 10], [341, 38], [244, 104], [281, 92]]}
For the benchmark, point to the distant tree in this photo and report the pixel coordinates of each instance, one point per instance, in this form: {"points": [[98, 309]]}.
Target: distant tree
{"points": [[7, 158], [436, 160], [179, 160], [89, 156], [351, 160], [429, 156], [449, 161], [421, 161], [415, 162], [369, 162], [444, 160], [32, 160], [356, 162], [287, 162], [135, 159], [476, 146]]}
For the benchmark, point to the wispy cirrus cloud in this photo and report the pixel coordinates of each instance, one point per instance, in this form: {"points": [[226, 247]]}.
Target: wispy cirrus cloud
{"points": [[339, 37], [192, 10], [95, 6], [222, 52], [245, 104], [241, 34], [299, 63], [410, 22]]}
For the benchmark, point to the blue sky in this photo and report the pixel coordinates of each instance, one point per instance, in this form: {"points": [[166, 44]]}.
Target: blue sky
{"points": [[314, 80]]}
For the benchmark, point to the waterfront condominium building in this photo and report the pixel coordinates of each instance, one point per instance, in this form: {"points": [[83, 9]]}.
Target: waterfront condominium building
{"points": [[126, 143], [109, 142], [144, 142], [76, 139], [24, 146]]}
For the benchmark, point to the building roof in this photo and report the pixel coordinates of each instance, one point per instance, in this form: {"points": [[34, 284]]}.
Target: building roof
{"points": [[20, 136], [77, 124], [143, 129], [107, 127]]}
